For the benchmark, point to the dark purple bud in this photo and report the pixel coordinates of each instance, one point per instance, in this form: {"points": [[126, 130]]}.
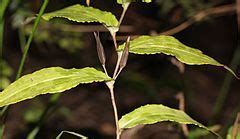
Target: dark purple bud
{"points": [[125, 53], [100, 49]]}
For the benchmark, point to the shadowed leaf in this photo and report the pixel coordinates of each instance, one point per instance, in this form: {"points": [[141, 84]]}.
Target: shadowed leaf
{"points": [[170, 46], [48, 80], [150, 114]]}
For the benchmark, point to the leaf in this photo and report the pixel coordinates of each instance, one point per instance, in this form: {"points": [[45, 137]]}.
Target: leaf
{"points": [[82, 14], [150, 114], [72, 133], [170, 46], [127, 1], [49, 80]]}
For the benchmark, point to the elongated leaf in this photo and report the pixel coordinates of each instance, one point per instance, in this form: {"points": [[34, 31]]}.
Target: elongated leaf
{"points": [[49, 80], [150, 114], [170, 46], [84, 14], [127, 1]]}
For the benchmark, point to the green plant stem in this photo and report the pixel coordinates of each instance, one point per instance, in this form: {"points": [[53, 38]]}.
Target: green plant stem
{"points": [[26, 48], [226, 85]]}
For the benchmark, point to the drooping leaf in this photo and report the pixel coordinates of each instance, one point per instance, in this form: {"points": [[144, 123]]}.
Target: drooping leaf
{"points": [[150, 114], [127, 1], [170, 46], [72, 133], [48, 80], [82, 14]]}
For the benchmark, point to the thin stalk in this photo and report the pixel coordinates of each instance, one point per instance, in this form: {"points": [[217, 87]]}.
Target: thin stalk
{"points": [[27, 46], [111, 89], [105, 70], [117, 65], [125, 7]]}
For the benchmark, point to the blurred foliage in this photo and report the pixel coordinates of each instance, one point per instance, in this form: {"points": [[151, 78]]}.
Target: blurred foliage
{"points": [[183, 8], [70, 41], [6, 72], [23, 16]]}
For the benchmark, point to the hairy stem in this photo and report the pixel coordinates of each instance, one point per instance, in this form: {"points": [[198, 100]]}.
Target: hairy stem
{"points": [[111, 89]]}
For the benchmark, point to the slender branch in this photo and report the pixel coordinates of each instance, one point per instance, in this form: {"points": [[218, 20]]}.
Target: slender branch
{"points": [[105, 70], [115, 77], [201, 15], [216, 11], [125, 7], [181, 99], [113, 34], [111, 89], [117, 65]]}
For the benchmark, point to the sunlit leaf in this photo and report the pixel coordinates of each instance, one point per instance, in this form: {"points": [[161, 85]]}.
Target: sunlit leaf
{"points": [[150, 114], [82, 14], [48, 80], [170, 46]]}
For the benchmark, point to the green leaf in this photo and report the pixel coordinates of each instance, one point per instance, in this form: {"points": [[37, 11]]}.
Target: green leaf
{"points": [[150, 114], [84, 14], [72, 133], [127, 1], [170, 46], [49, 80]]}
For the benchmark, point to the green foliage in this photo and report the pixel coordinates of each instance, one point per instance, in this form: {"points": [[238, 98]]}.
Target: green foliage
{"points": [[127, 1], [170, 46], [229, 134], [150, 114], [84, 14], [72, 133], [48, 80]]}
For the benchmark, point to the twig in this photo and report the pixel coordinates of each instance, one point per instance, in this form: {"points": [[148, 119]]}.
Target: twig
{"points": [[215, 11], [111, 89], [125, 7], [181, 99]]}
